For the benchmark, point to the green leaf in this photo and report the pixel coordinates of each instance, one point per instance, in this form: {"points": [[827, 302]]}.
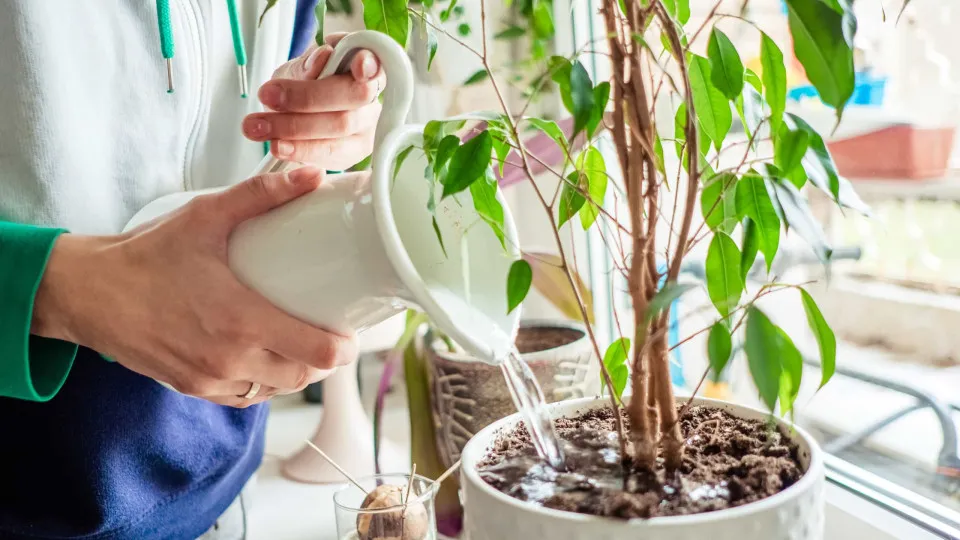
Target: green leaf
{"points": [[789, 147], [712, 107], [435, 131], [658, 153], [468, 163], [751, 77], [679, 133], [666, 296], [750, 108], [719, 347], [615, 360], [799, 217], [798, 177], [436, 230], [791, 372], [825, 337], [591, 164], [679, 129], [724, 283], [754, 202], [484, 195], [432, 133], [518, 283], [362, 165], [601, 95], [432, 45], [763, 346], [511, 32], [679, 9], [774, 80], [560, 70], [727, 69], [388, 17], [751, 245], [771, 175], [501, 148], [445, 150], [398, 162], [477, 77], [542, 20], [320, 14], [463, 29], [581, 97], [550, 129], [718, 202], [445, 14], [822, 171], [571, 200], [683, 11], [820, 44], [269, 6], [671, 6]]}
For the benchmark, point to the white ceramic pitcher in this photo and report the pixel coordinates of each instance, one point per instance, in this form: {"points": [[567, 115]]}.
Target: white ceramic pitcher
{"points": [[361, 247]]}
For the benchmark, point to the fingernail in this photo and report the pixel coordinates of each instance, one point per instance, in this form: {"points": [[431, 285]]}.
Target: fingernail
{"points": [[256, 127], [284, 149], [312, 60], [303, 175], [369, 67], [273, 95]]}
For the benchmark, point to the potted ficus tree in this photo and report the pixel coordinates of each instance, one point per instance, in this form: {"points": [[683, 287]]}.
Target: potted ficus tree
{"points": [[685, 468]]}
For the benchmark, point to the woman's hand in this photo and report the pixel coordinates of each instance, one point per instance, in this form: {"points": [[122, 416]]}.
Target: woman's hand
{"points": [[162, 301], [329, 122]]}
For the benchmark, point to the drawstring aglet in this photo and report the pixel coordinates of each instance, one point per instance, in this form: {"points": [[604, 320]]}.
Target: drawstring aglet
{"points": [[169, 75], [242, 72]]}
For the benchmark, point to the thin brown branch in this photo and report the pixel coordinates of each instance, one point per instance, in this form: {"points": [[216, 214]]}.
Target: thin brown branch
{"points": [[706, 21], [444, 32], [693, 154], [572, 282]]}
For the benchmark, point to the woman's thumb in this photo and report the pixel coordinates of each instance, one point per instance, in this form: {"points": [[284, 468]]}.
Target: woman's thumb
{"points": [[265, 192]]}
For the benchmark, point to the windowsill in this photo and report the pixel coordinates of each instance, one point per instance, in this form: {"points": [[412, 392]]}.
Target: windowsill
{"points": [[862, 505], [851, 516]]}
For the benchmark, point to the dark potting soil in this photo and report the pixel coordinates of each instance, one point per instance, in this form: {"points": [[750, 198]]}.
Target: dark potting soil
{"points": [[541, 338], [728, 462]]}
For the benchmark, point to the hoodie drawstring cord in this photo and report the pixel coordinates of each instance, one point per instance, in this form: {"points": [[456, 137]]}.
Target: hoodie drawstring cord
{"points": [[239, 50], [166, 39], [167, 46]]}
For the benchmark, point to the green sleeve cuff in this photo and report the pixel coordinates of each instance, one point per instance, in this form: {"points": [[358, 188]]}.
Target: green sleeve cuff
{"points": [[31, 367]]}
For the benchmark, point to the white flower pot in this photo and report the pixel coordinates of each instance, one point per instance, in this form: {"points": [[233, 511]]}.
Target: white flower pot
{"points": [[796, 513]]}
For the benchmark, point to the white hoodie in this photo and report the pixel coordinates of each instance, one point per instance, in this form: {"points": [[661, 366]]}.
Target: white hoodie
{"points": [[88, 132]]}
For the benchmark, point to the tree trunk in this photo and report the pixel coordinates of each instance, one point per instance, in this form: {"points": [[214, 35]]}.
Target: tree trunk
{"points": [[670, 435]]}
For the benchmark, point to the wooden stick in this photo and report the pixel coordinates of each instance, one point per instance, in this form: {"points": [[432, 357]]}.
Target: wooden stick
{"points": [[337, 467], [447, 472], [413, 474]]}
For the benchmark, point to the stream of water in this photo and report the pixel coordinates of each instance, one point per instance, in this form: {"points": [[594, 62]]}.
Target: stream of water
{"points": [[521, 382], [529, 400]]}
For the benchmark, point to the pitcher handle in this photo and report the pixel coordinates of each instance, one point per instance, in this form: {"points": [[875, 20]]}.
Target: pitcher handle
{"points": [[397, 96]]}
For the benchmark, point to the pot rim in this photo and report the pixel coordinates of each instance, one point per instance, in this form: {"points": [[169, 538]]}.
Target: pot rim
{"points": [[478, 445], [528, 357]]}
